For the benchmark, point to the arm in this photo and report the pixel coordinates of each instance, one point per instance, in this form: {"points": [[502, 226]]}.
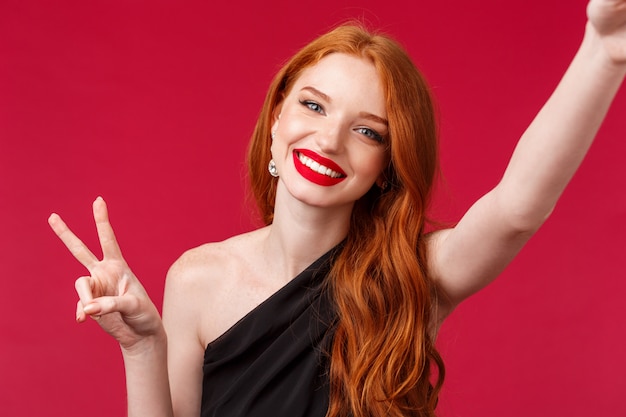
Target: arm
{"points": [[185, 296], [468, 257], [115, 298], [147, 383]]}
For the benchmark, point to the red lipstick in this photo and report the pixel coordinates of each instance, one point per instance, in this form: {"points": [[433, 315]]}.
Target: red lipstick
{"points": [[314, 176]]}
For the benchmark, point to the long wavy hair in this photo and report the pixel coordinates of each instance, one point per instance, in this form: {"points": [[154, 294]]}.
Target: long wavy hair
{"points": [[383, 360]]}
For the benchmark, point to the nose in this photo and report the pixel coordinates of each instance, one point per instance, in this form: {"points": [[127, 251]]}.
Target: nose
{"points": [[331, 139]]}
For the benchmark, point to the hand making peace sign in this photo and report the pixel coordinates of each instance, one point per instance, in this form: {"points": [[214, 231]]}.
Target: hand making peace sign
{"points": [[111, 294]]}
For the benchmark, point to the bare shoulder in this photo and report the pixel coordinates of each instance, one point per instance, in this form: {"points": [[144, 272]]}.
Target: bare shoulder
{"points": [[204, 283], [205, 264], [195, 265]]}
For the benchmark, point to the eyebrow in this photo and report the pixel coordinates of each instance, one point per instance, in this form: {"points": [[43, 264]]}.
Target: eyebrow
{"points": [[374, 118], [318, 93], [362, 114]]}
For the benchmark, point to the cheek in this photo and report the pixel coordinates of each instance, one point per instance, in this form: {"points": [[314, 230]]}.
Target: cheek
{"points": [[279, 148], [377, 164], [290, 129]]}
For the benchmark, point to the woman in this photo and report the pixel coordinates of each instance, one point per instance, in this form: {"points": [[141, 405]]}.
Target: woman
{"points": [[344, 269]]}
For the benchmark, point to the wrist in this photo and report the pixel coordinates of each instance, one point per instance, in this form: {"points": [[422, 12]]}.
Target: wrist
{"points": [[147, 346], [602, 49]]}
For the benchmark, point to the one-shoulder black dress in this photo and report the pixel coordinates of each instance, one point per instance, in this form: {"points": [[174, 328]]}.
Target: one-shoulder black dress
{"points": [[273, 362]]}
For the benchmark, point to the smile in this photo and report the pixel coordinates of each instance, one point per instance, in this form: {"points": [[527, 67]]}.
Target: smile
{"points": [[316, 168]]}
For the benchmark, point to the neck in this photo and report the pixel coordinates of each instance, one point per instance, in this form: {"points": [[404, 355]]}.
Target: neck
{"points": [[301, 233]]}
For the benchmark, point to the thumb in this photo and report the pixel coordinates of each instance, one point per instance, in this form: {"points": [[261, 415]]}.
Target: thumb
{"points": [[126, 305]]}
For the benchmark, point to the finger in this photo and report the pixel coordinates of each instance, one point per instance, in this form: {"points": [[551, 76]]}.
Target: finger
{"points": [[92, 310], [83, 287], [126, 305], [80, 314], [86, 305], [110, 248], [72, 242]]}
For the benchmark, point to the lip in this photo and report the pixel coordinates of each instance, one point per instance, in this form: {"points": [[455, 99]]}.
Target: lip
{"points": [[316, 177]]}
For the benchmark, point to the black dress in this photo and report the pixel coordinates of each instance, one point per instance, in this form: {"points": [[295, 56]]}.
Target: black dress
{"points": [[273, 362]]}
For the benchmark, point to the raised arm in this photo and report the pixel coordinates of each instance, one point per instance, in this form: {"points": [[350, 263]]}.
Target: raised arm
{"points": [[114, 297], [466, 258]]}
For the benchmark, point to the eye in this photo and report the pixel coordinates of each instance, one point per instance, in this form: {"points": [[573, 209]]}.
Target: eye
{"points": [[313, 106], [371, 134]]}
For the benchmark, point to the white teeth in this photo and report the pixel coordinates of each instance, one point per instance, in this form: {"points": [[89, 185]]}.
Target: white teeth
{"points": [[315, 166]]}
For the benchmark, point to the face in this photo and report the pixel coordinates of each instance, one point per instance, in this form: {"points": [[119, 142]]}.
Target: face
{"points": [[331, 132]]}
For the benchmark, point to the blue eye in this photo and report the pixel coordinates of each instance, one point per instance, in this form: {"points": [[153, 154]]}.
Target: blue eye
{"points": [[312, 105], [372, 134]]}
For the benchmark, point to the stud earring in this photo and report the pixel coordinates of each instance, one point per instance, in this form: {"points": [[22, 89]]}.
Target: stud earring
{"points": [[383, 186], [271, 167], [273, 135]]}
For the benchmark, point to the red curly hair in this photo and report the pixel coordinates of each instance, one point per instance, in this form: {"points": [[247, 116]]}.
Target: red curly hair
{"points": [[383, 360]]}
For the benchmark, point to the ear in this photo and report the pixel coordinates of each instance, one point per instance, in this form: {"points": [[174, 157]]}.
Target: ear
{"points": [[276, 116], [382, 182]]}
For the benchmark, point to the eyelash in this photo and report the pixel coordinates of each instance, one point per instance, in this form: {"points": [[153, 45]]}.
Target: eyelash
{"points": [[310, 104], [365, 131], [372, 134]]}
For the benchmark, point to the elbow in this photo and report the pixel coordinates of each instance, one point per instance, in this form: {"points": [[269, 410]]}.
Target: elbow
{"points": [[524, 215], [528, 223]]}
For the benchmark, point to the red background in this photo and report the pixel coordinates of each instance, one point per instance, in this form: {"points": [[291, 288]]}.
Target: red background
{"points": [[151, 103]]}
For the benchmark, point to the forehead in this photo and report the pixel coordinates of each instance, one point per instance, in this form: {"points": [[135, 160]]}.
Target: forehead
{"points": [[346, 79]]}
